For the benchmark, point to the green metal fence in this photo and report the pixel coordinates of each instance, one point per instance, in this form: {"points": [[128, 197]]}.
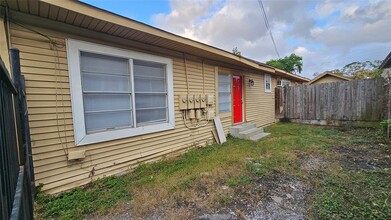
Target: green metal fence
{"points": [[16, 168]]}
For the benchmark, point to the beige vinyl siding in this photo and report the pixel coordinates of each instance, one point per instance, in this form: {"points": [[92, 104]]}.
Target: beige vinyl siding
{"points": [[4, 53], [328, 79], [49, 103], [259, 104], [226, 121]]}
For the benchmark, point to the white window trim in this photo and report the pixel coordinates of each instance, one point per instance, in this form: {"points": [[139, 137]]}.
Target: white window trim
{"points": [[218, 96], [270, 78], [81, 137]]}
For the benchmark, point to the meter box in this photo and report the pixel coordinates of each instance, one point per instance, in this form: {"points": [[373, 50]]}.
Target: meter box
{"points": [[210, 99], [182, 102], [197, 99], [203, 101], [190, 102]]}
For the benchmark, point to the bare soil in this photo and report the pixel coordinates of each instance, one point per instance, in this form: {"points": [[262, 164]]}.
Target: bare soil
{"points": [[277, 196]]}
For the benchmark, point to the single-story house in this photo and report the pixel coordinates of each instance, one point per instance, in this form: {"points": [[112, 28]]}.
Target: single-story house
{"points": [[106, 93], [328, 77], [385, 66]]}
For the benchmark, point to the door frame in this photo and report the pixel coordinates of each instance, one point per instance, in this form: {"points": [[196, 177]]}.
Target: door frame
{"points": [[232, 72], [243, 99]]}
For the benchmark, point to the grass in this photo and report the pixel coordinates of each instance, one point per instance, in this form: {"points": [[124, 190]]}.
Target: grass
{"points": [[364, 195], [98, 196], [197, 178]]}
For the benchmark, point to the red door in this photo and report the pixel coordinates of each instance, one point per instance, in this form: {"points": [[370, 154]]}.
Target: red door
{"points": [[237, 98]]}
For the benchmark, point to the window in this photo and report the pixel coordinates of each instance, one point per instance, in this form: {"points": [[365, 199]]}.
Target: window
{"points": [[106, 92], [118, 93], [150, 92], [268, 83], [224, 89]]}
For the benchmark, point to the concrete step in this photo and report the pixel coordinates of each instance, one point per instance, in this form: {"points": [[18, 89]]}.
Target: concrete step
{"points": [[259, 136], [235, 130], [250, 132]]}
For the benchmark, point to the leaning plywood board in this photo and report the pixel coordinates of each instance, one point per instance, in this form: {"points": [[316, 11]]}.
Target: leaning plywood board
{"points": [[220, 131], [214, 132]]}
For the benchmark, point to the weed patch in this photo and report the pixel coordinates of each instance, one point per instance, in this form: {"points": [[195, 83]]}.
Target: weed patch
{"points": [[360, 195], [296, 158], [99, 196], [240, 180]]}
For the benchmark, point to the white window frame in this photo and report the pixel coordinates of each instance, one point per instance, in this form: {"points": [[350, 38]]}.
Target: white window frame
{"points": [[268, 76], [218, 92], [81, 137]]}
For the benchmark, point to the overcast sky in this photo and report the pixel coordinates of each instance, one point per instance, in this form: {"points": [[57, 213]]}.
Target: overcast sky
{"points": [[327, 34]]}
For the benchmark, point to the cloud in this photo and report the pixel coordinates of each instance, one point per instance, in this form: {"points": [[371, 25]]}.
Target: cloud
{"points": [[300, 51], [327, 34], [350, 11], [358, 24]]}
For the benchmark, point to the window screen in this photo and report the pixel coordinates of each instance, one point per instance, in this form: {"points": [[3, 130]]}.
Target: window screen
{"points": [[224, 89], [106, 92]]}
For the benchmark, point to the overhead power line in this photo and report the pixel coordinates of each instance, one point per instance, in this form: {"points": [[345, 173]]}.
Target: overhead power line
{"points": [[268, 26]]}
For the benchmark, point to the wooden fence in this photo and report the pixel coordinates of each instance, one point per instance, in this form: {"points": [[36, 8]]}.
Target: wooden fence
{"points": [[356, 100]]}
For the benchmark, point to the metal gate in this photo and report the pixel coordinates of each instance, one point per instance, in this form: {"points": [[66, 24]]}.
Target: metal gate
{"points": [[17, 186]]}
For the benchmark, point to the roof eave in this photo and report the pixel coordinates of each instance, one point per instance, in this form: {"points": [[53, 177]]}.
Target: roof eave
{"points": [[328, 73], [386, 62], [104, 15], [291, 75]]}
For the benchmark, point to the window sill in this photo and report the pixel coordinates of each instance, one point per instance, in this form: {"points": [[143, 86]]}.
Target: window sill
{"points": [[121, 133]]}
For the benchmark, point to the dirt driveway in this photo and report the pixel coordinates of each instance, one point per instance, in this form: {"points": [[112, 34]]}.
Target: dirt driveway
{"points": [[279, 195]]}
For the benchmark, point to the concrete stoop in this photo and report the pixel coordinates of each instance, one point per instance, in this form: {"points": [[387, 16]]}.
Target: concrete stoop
{"points": [[248, 131]]}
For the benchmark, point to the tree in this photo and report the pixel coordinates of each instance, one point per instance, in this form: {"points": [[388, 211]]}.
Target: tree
{"points": [[359, 70], [336, 71], [362, 70], [236, 51], [292, 63]]}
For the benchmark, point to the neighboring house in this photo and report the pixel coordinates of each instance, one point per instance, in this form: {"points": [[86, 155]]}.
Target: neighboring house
{"points": [[112, 92], [386, 66], [328, 77]]}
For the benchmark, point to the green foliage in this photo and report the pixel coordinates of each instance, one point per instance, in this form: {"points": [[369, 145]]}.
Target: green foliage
{"points": [[292, 63], [385, 125], [184, 184], [359, 195], [277, 153], [359, 70], [362, 70], [240, 180], [97, 197], [224, 199]]}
